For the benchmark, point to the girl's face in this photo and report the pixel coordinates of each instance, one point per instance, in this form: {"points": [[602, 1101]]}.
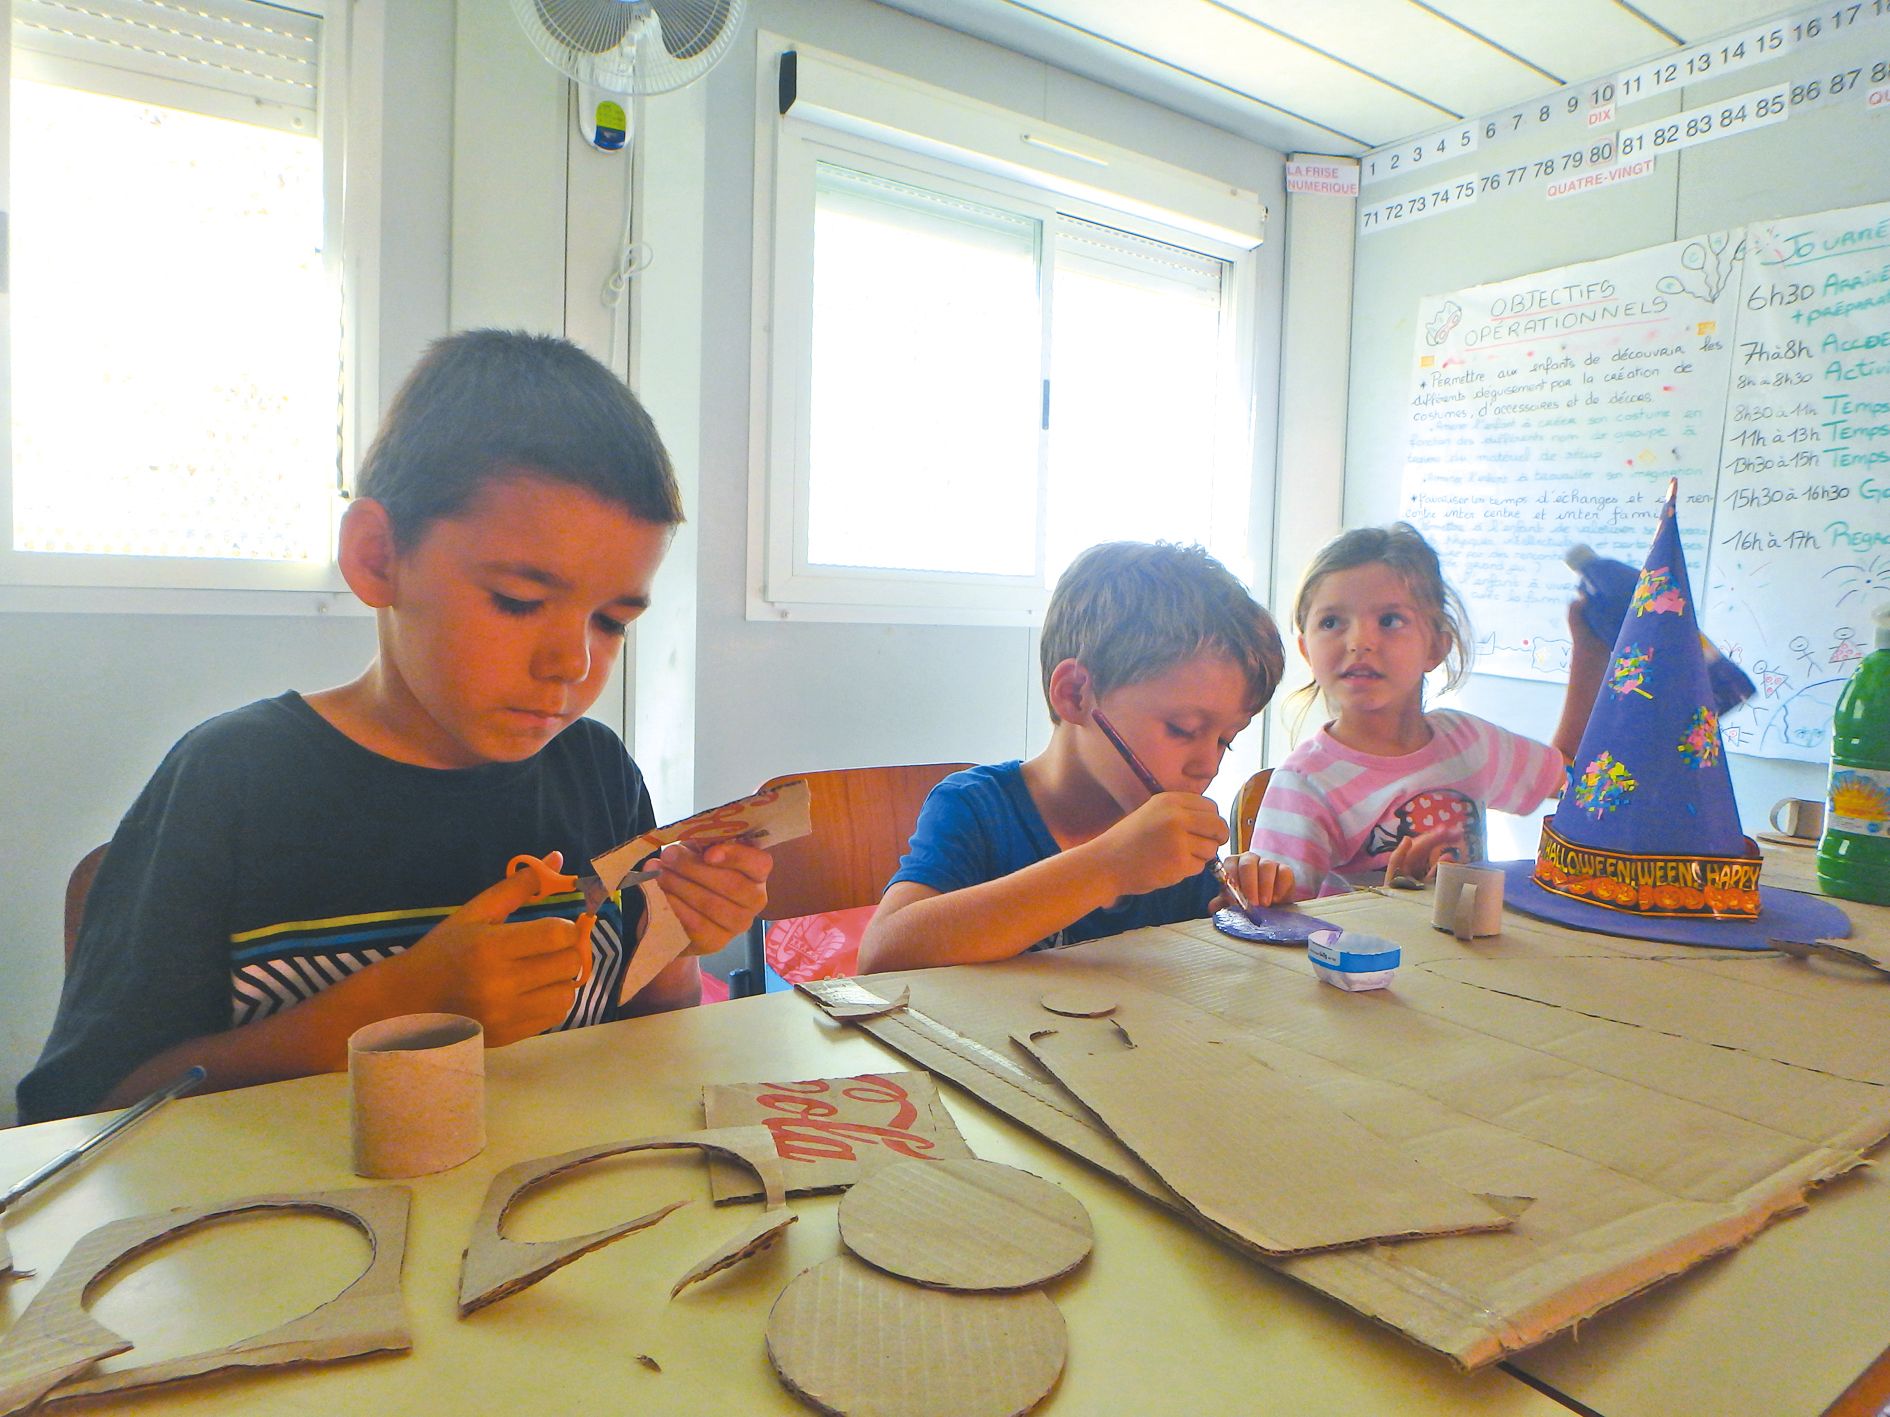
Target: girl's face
{"points": [[1369, 641]]}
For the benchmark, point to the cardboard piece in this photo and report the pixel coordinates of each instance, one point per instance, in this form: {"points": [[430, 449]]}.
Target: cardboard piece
{"points": [[847, 1012], [1079, 1003], [8, 1270], [965, 1225], [829, 1132], [764, 819], [1251, 1152], [846, 1338], [1661, 1103], [55, 1338], [1469, 900], [750, 1240], [494, 1267], [416, 1094]]}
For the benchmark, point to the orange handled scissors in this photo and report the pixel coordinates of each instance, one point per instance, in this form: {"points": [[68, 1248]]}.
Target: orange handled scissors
{"points": [[551, 882]]}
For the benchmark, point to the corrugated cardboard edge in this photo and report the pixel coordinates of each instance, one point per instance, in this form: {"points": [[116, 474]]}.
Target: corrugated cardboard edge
{"points": [[1447, 1320], [494, 1267], [1043, 1107], [366, 1317], [965, 1224], [753, 1238], [1356, 1183], [845, 1338]]}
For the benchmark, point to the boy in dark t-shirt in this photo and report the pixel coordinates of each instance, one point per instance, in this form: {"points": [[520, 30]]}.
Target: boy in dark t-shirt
{"points": [[306, 865]]}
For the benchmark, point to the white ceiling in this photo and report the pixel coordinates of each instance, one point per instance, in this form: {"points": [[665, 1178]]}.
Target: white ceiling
{"points": [[1341, 76]]}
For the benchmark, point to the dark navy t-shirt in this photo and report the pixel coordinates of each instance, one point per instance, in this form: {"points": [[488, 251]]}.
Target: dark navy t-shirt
{"points": [[980, 824]]}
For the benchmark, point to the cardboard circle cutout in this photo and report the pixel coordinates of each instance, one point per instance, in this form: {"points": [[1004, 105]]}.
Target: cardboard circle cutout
{"points": [[845, 1338], [965, 1225]]}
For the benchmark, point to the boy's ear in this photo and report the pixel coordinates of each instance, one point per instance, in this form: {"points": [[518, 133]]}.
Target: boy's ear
{"points": [[367, 556], [1069, 694]]}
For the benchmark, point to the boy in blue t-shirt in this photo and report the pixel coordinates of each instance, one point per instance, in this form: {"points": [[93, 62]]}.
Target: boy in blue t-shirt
{"points": [[1071, 846], [308, 864]]}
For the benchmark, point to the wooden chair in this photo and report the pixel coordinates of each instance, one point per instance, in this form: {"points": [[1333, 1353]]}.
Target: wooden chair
{"points": [[78, 887], [862, 819], [1246, 808]]}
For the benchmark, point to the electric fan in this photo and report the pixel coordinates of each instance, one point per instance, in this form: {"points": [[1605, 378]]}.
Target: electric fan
{"points": [[616, 49]]}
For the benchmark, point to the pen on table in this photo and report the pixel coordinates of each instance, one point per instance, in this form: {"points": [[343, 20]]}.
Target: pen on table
{"points": [[132, 1114], [1154, 785]]}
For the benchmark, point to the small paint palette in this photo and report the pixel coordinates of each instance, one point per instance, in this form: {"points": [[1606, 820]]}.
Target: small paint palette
{"points": [[1270, 925]]}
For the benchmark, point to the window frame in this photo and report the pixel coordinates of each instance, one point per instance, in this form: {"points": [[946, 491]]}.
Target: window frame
{"points": [[350, 63], [781, 585]]}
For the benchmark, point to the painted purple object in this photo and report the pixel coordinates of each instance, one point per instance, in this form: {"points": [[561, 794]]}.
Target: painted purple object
{"points": [[1269, 925]]}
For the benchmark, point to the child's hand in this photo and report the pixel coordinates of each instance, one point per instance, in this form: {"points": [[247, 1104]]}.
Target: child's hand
{"points": [[1263, 882], [716, 891], [1167, 839], [517, 979], [1416, 857]]}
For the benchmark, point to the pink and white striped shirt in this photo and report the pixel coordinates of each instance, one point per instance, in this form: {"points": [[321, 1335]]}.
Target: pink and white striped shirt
{"points": [[1331, 810]]}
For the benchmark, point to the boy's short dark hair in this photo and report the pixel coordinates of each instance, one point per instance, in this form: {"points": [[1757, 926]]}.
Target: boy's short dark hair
{"points": [[1129, 610], [486, 403]]}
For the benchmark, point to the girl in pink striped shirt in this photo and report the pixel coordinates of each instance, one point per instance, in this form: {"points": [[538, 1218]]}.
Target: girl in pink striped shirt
{"points": [[1385, 788]]}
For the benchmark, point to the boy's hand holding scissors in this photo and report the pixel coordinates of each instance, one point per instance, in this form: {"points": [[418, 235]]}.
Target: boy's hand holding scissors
{"points": [[516, 977]]}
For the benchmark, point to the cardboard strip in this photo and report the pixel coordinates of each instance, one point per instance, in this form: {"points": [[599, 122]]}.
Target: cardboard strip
{"points": [[495, 1267], [745, 1243], [830, 1132], [55, 1338], [1249, 1150], [846, 1338], [1079, 1003], [965, 1225]]}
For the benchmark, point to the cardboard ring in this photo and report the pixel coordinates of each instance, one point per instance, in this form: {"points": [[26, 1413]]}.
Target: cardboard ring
{"points": [[56, 1338], [416, 1094], [495, 1267]]}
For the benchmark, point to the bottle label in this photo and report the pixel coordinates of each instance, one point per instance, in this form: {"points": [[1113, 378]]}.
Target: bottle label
{"points": [[1859, 802]]}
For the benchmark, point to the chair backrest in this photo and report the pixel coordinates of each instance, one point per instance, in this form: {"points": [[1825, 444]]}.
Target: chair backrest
{"points": [[862, 818], [78, 887], [1247, 807]]}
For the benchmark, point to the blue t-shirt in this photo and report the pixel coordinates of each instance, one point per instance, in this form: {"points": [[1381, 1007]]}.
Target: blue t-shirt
{"points": [[980, 824]]}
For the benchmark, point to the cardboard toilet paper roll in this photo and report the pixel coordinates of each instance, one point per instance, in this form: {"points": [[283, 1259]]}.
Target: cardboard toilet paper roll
{"points": [[418, 1089], [1469, 900]]}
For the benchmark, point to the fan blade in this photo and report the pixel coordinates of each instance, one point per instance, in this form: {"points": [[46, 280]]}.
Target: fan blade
{"points": [[691, 26]]}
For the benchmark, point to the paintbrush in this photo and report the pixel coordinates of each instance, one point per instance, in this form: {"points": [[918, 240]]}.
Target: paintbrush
{"points": [[1154, 786]]}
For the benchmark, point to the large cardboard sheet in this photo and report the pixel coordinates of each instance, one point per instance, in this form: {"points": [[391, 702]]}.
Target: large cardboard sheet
{"points": [[1647, 1105]]}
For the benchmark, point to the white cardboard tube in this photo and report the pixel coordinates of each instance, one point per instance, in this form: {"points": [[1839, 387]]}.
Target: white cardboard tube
{"points": [[1469, 900], [417, 1086]]}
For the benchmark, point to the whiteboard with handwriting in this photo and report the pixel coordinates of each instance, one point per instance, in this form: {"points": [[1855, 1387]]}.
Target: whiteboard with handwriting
{"points": [[1753, 365]]}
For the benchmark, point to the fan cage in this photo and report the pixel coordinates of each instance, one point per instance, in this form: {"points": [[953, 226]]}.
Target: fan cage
{"points": [[631, 46]]}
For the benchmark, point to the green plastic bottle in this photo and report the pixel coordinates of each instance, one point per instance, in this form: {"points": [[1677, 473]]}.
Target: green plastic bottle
{"points": [[1854, 853]]}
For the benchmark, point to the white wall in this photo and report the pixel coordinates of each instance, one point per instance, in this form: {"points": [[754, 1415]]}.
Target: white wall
{"points": [[1836, 157], [93, 699]]}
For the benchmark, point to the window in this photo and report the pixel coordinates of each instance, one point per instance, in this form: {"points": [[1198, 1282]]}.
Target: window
{"points": [[174, 342], [975, 371]]}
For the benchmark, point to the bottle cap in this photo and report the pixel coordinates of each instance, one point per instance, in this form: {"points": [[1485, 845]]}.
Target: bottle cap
{"points": [[1577, 557], [1883, 625]]}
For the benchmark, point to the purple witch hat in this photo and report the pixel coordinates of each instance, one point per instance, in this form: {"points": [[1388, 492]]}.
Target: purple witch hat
{"points": [[1646, 841]]}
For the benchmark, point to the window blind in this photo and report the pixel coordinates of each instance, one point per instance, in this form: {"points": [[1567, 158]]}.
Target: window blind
{"points": [[240, 47]]}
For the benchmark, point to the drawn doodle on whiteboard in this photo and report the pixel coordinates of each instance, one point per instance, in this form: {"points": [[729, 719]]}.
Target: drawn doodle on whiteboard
{"points": [[1711, 262], [1804, 718], [1861, 579], [1769, 678], [1442, 323], [1845, 649]]}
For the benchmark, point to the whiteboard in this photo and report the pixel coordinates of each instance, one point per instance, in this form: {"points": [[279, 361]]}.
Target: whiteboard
{"points": [[1801, 540], [1754, 366]]}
